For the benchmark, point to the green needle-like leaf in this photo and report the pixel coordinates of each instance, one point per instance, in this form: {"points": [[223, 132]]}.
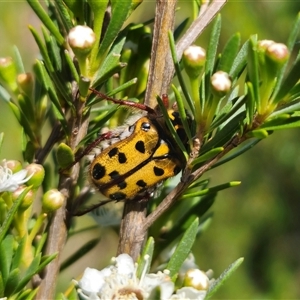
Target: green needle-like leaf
{"points": [[119, 15], [224, 276], [145, 258], [183, 249], [229, 53], [40, 12]]}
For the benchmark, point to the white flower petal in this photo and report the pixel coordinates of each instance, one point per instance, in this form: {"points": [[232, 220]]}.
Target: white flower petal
{"points": [[91, 281], [125, 264], [189, 293]]}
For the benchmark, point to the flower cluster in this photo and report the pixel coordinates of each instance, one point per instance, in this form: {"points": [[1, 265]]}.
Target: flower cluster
{"points": [[120, 281]]}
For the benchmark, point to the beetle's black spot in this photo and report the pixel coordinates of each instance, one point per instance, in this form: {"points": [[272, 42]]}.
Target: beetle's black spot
{"points": [[141, 183], [117, 196], [98, 171], [145, 126], [176, 170], [140, 146], [122, 185], [113, 152], [158, 171], [181, 133], [122, 158], [114, 174]]}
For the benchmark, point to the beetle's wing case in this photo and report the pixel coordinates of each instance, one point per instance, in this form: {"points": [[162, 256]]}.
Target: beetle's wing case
{"points": [[119, 133]]}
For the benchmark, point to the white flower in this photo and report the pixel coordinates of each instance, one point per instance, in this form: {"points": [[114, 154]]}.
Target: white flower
{"points": [[188, 293], [120, 282], [9, 182]]}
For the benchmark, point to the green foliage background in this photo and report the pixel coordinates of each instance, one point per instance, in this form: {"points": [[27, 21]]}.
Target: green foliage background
{"points": [[258, 220]]}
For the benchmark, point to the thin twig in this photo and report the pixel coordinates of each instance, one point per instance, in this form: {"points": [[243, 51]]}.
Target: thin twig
{"points": [[132, 234], [60, 222]]}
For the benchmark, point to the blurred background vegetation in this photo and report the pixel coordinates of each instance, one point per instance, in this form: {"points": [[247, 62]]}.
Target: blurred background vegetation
{"points": [[260, 219]]}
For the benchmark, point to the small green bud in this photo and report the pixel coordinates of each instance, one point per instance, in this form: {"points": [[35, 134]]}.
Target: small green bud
{"points": [[8, 73], [65, 156], [220, 83], [52, 200], [197, 279], [38, 173], [14, 165], [81, 39], [193, 60], [25, 82], [28, 199]]}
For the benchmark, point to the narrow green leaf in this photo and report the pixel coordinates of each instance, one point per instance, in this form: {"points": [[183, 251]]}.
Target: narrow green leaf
{"points": [[12, 281], [229, 53], [253, 68], [51, 26], [179, 73], [4, 95], [213, 189], [242, 149], [225, 134], [258, 133], [7, 252], [112, 61], [98, 8], [22, 120], [213, 46], [281, 123], [183, 249], [71, 65], [182, 113], [119, 15], [224, 276], [144, 262], [208, 155], [250, 103], [228, 112], [286, 109], [10, 215], [32, 270], [18, 60], [1, 286], [291, 79], [42, 48], [18, 256], [64, 14], [240, 61]]}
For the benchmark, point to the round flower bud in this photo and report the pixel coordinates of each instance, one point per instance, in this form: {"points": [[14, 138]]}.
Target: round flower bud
{"points": [[8, 73], [221, 83], [197, 279], [81, 39], [25, 82], [52, 200], [264, 44], [28, 199], [14, 165], [37, 174], [278, 52], [193, 60]]}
